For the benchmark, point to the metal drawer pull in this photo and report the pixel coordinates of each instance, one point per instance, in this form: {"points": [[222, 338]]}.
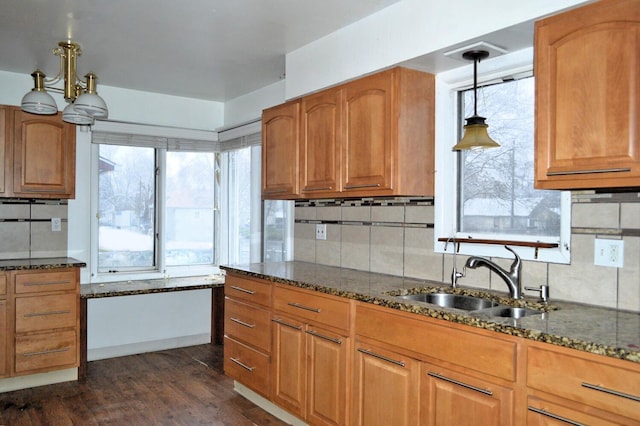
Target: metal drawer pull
{"points": [[554, 416], [51, 351], [286, 324], [612, 392], [244, 290], [43, 314], [326, 188], [331, 339], [370, 185], [306, 308], [464, 385], [382, 357], [584, 172], [245, 366], [246, 324], [46, 283]]}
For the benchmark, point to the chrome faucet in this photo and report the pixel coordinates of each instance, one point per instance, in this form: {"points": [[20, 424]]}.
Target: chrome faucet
{"points": [[511, 277]]}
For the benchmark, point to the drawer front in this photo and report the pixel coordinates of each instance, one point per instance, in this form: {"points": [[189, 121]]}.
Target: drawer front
{"points": [[38, 313], [482, 353], [247, 366], [584, 379], [45, 281], [311, 306], [248, 324], [249, 290], [46, 351], [3, 284]]}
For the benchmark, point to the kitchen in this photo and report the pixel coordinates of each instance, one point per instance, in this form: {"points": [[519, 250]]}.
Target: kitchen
{"points": [[579, 282]]}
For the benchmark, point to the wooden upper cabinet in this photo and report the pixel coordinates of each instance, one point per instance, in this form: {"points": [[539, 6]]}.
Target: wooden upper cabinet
{"points": [[280, 159], [320, 144], [587, 67], [4, 143], [44, 155], [370, 137]]}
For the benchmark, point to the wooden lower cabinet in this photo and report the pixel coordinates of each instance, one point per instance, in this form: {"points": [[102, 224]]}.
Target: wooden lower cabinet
{"points": [[386, 387], [448, 398], [541, 412], [288, 384], [3, 338]]}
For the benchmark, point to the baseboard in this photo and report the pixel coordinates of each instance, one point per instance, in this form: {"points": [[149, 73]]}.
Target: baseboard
{"points": [[143, 347], [39, 379], [267, 405]]}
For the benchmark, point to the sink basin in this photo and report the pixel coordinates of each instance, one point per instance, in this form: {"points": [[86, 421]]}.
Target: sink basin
{"points": [[457, 301], [512, 312]]}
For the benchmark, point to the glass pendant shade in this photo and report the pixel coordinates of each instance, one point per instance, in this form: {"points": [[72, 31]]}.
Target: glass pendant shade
{"points": [[89, 102], [38, 101], [72, 115], [475, 135]]}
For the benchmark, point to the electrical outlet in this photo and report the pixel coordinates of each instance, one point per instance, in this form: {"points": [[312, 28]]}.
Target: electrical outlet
{"points": [[321, 231], [609, 253], [56, 224]]}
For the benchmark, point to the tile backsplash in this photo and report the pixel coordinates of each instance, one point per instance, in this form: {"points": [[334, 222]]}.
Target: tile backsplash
{"points": [[396, 236], [25, 229]]}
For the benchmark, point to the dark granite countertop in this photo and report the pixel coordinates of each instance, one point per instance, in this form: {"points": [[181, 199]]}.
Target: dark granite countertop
{"points": [[40, 263], [129, 288], [588, 328]]}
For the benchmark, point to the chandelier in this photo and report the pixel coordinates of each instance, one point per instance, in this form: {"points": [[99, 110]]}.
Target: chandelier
{"points": [[84, 103]]}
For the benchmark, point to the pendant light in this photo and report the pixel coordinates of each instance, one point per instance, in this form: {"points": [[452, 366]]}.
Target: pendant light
{"points": [[475, 129]]}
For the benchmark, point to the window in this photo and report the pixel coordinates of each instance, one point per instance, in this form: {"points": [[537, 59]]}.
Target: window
{"points": [[489, 194]]}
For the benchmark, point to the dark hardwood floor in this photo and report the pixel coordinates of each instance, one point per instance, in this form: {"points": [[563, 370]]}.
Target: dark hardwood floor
{"points": [[184, 386]]}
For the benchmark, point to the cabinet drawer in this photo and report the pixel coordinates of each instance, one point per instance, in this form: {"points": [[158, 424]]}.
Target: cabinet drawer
{"points": [[247, 366], [250, 290], [3, 284], [312, 306], [45, 281], [584, 379], [38, 313], [46, 351], [471, 349], [248, 324]]}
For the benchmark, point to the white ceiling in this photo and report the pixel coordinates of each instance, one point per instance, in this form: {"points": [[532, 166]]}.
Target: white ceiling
{"points": [[207, 49]]}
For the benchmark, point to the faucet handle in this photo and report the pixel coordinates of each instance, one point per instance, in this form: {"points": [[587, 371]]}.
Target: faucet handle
{"points": [[543, 290]]}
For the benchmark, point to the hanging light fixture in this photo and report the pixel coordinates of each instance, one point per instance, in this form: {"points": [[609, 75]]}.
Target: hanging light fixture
{"points": [[475, 129], [84, 102]]}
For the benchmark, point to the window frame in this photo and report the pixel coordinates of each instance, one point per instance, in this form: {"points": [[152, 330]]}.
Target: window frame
{"points": [[448, 85]]}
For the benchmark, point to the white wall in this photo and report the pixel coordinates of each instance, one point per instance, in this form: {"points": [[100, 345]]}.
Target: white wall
{"points": [[249, 107], [401, 32]]}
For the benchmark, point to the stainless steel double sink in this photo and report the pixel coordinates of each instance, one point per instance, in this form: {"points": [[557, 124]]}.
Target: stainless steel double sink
{"points": [[472, 304]]}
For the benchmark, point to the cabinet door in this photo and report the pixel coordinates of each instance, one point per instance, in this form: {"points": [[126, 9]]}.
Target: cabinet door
{"points": [[545, 413], [451, 398], [289, 368], [368, 134], [4, 143], [320, 147], [4, 331], [44, 155], [587, 64], [326, 376], [385, 387], [280, 160]]}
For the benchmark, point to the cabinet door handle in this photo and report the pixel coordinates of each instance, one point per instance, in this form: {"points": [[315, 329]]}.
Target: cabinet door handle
{"points": [[306, 308], [241, 364], [554, 416], [326, 188], [458, 383], [321, 336], [38, 283], [370, 185], [43, 314], [244, 290], [611, 392], [50, 351], [382, 357], [246, 324], [286, 324], [585, 172]]}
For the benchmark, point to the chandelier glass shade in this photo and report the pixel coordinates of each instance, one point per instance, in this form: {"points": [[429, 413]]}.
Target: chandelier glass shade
{"points": [[84, 102]]}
